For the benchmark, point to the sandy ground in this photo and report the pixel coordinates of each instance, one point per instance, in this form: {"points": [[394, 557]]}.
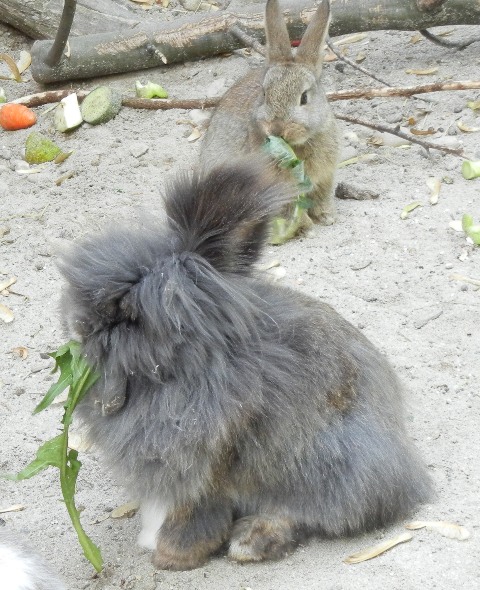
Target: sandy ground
{"points": [[390, 277]]}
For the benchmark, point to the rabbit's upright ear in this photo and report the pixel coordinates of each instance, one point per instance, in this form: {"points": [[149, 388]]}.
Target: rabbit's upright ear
{"points": [[278, 40], [310, 50]]}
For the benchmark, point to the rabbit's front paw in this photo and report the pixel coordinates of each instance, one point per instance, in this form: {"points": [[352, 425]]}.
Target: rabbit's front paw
{"points": [[326, 219], [256, 538]]}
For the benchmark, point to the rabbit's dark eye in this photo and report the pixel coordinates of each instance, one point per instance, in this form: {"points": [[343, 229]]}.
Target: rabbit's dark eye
{"points": [[304, 98]]}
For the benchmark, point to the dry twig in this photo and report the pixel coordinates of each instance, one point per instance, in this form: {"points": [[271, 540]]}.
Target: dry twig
{"points": [[396, 131], [248, 40], [348, 61], [367, 93]]}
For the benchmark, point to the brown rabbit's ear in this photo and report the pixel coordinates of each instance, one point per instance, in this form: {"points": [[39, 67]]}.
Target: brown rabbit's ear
{"points": [[310, 50], [278, 40]]}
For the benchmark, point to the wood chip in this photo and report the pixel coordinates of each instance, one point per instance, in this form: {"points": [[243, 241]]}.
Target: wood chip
{"points": [[427, 72], [24, 62], [6, 314], [429, 131], [126, 510], [377, 550], [21, 352], [7, 283], [351, 39], [194, 135], [14, 508], [268, 265], [446, 529], [424, 321], [434, 185], [461, 125], [464, 279]]}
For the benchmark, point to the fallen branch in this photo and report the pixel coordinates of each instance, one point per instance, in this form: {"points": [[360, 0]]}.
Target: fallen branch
{"points": [[35, 100], [396, 131], [204, 35]]}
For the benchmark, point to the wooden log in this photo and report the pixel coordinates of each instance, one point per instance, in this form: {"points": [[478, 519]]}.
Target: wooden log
{"points": [[39, 18], [205, 35]]}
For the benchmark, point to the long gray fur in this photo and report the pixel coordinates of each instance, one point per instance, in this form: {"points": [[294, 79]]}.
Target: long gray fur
{"points": [[237, 395]]}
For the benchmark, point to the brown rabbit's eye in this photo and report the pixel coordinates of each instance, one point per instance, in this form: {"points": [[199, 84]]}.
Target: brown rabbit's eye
{"points": [[304, 98]]}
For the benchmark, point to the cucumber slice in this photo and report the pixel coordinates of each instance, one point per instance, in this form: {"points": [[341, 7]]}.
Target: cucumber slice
{"points": [[101, 105], [67, 114]]}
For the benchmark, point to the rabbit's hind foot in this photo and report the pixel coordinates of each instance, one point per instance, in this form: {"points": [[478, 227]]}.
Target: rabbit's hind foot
{"points": [[171, 557], [257, 538], [191, 534]]}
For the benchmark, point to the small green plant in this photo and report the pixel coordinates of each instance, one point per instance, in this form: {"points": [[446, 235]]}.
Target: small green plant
{"points": [[285, 229], [79, 378]]}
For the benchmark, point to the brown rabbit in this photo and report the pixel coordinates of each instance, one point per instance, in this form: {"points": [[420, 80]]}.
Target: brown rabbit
{"points": [[286, 99]]}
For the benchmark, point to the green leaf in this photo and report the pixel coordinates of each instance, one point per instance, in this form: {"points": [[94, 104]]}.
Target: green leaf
{"points": [[48, 455], [79, 378], [63, 361], [285, 229]]}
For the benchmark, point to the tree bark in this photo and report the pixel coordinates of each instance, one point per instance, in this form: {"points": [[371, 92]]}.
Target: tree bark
{"points": [[204, 35]]}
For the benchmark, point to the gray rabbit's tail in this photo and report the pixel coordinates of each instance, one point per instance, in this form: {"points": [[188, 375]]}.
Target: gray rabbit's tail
{"points": [[176, 272], [223, 215]]}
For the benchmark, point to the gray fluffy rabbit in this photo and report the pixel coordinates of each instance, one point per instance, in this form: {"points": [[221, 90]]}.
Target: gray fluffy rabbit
{"points": [[287, 99], [239, 412], [23, 569]]}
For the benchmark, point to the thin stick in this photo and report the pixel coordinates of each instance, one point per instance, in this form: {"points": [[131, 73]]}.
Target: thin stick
{"points": [[35, 100], [460, 45], [171, 103], [332, 48], [248, 40], [367, 93], [396, 131]]}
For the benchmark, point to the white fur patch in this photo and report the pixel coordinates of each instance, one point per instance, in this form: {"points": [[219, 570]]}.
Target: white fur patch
{"points": [[153, 514], [15, 572]]}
